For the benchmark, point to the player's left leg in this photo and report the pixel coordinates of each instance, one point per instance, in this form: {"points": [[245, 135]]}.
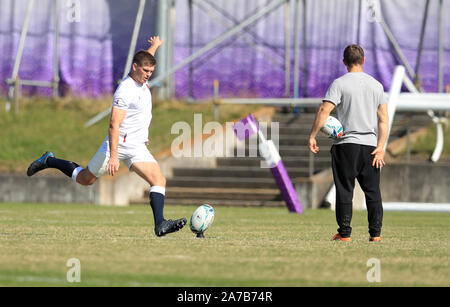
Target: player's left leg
{"points": [[151, 172], [369, 180]]}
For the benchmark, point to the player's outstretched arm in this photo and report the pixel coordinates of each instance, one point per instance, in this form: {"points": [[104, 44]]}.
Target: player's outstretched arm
{"points": [[155, 42]]}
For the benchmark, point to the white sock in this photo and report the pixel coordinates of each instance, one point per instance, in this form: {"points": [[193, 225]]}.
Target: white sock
{"points": [[158, 189], [76, 172]]}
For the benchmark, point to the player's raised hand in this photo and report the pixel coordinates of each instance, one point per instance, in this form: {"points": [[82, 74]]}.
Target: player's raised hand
{"points": [[155, 41]]}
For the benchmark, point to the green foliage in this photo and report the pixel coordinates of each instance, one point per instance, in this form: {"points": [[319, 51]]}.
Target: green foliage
{"points": [[425, 144]]}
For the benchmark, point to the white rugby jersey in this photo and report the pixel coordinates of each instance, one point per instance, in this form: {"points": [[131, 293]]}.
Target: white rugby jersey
{"points": [[136, 100]]}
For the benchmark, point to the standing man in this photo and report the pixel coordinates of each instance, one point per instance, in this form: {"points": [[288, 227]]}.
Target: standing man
{"points": [[363, 113], [126, 141]]}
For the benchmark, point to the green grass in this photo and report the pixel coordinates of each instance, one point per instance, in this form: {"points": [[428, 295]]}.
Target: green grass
{"points": [[244, 247], [424, 145], [44, 124]]}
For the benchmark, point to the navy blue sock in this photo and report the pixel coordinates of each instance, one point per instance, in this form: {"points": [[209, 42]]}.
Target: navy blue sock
{"points": [[157, 204], [67, 167]]}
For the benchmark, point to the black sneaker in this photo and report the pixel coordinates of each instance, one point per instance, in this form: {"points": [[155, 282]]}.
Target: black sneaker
{"points": [[168, 226], [39, 164]]}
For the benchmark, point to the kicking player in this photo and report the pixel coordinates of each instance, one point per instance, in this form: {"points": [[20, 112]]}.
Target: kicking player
{"points": [[126, 141], [363, 113]]}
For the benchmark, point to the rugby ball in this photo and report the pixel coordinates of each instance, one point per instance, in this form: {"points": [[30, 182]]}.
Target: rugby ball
{"points": [[201, 219], [332, 128]]}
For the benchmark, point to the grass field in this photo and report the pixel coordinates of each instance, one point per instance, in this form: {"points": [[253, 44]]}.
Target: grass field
{"points": [[244, 247]]}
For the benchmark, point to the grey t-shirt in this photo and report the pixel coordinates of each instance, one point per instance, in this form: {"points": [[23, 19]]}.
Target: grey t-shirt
{"points": [[357, 97]]}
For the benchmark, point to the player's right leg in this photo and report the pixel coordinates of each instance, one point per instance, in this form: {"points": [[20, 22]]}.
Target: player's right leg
{"points": [[343, 163], [39, 164], [71, 169], [48, 160], [85, 177]]}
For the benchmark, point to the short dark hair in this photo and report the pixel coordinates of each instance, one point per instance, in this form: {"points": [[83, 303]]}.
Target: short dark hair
{"points": [[353, 55], [144, 58]]}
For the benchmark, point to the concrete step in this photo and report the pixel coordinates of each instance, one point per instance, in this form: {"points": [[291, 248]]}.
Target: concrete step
{"points": [[302, 140], [221, 194], [290, 118], [291, 124], [322, 162], [291, 130], [300, 124], [412, 122], [224, 202], [222, 182], [236, 172], [405, 116], [402, 130], [297, 151]]}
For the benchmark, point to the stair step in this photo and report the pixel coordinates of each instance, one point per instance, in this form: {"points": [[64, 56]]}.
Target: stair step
{"points": [[216, 202], [294, 150], [291, 130], [319, 162], [302, 140], [224, 202], [221, 194], [236, 172], [293, 118], [222, 182]]}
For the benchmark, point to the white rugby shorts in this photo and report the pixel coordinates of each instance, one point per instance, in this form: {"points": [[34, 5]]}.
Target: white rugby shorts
{"points": [[129, 155]]}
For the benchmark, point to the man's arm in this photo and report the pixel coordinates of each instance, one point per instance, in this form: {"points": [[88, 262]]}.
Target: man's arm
{"points": [[383, 130], [320, 120], [117, 117], [154, 42]]}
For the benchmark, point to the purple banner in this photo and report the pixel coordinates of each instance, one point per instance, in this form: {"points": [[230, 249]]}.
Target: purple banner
{"points": [[287, 189], [252, 64], [94, 41]]}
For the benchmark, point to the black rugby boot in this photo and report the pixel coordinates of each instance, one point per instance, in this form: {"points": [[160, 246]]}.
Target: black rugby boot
{"points": [[168, 226], [39, 164]]}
